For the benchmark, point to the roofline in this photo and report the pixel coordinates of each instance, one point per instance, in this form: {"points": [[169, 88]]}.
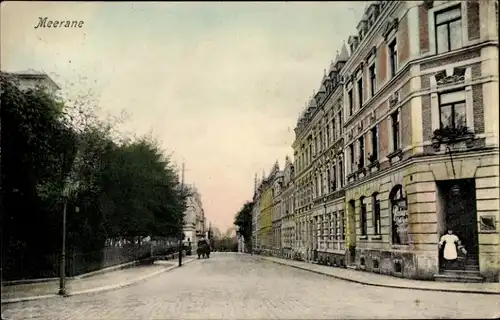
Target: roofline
{"points": [[22, 75]]}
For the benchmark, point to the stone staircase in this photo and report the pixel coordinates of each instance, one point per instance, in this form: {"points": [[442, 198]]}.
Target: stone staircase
{"points": [[469, 273]]}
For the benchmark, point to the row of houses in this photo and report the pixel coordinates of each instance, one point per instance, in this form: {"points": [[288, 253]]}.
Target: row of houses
{"points": [[398, 145]]}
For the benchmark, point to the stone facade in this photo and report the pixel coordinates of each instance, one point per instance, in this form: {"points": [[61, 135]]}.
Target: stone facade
{"points": [[194, 218], [397, 205], [400, 145], [287, 208]]}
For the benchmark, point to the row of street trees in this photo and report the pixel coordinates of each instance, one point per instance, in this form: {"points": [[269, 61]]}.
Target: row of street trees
{"points": [[116, 188], [243, 223]]}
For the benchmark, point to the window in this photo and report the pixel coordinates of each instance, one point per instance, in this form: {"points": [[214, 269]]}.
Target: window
{"points": [[448, 29], [320, 193], [320, 148], [393, 57], [376, 215], [363, 224], [361, 160], [328, 181], [342, 224], [351, 156], [395, 130], [351, 102], [327, 135], [371, 71], [360, 92], [334, 178], [340, 122], [374, 134], [341, 173], [334, 129], [452, 110]]}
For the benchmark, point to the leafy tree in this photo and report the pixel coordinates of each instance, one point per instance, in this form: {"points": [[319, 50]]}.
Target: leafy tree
{"points": [[243, 222], [38, 148], [124, 188]]}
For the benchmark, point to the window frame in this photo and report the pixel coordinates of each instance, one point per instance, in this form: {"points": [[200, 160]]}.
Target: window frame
{"points": [[447, 23], [377, 219], [372, 73], [363, 221], [375, 137], [396, 136], [452, 104], [350, 102], [393, 57], [341, 172], [360, 88], [352, 156], [362, 151]]}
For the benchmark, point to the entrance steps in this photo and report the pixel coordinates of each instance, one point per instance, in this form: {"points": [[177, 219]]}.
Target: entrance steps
{"points": [[469, 276]]}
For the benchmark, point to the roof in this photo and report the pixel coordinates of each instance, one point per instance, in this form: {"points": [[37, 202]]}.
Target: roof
{"points": [[34, 74]]}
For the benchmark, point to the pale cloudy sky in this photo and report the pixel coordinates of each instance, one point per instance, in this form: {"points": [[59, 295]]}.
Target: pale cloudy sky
{"points": [[219, 84]]}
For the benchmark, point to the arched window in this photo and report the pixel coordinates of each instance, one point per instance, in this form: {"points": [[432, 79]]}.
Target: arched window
{"points": [[362, 221], [399, 215]]}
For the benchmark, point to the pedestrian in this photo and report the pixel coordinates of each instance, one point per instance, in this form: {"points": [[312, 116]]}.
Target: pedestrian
{"points": [[451, 246]]}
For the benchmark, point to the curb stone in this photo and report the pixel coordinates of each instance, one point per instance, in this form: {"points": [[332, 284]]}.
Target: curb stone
{"points": [[471, 291], [98, 289]]}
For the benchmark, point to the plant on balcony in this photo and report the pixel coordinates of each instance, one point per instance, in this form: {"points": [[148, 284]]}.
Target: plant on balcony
{"points": [[372, 158], [449, 133]]}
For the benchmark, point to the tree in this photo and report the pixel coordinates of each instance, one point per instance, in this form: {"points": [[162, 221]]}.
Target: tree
{"points": [[38, 149], [243, 222], [124, 188]]}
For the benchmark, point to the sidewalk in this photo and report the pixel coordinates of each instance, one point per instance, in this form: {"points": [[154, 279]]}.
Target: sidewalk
{"points": [[97, 283], [374, 279]]}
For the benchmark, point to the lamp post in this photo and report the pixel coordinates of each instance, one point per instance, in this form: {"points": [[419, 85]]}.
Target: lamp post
{"points": [[62, 279]]}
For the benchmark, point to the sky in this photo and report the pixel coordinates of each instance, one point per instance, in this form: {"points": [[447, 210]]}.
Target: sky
{"points": [[219, 85]]}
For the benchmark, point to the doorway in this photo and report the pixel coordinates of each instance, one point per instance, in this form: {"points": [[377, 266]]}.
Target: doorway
{"points": [[458, 213], [351, 220]]}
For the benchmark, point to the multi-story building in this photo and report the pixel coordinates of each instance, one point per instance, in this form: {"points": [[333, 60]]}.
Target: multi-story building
{"points": [[276, 181], [404, 132], [264, 222], [319, 181], [421, 135], [194, 218], [287, 235], [255, 215], [32, 79]]}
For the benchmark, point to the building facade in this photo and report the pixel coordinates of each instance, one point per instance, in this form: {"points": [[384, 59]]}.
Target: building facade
{"points": [[194, 218], [319, 178], [421, 136], [287, 232], [276, 181], [32, 79], [264, 223], [400, 145]]}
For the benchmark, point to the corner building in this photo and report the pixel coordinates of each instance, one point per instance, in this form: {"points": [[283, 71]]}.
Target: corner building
{"points": [[421, 137]]}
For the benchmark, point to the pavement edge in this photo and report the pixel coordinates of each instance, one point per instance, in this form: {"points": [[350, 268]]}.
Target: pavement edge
{"points": [[382, 285], [98, 289]]}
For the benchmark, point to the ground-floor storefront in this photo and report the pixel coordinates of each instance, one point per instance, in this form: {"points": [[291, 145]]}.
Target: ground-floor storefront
{"points": [[396, 219]]}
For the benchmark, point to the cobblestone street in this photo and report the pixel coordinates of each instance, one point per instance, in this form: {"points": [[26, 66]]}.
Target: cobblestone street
{"points": [[234, 286]]}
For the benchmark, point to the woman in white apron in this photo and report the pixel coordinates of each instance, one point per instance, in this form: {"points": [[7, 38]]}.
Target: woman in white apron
{"points": [[451, 244]]}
